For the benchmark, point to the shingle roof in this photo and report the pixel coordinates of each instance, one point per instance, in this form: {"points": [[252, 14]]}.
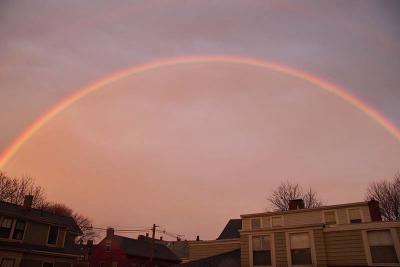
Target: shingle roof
{"points": [[39, 216], [231, 229], [227, 259], [141, 248]]}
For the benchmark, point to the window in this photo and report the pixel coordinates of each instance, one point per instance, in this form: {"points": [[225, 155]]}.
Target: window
{"points": [[7, 262], [354, 215], [381, 247], [53, 235], [5, 227], [276, 221], [108, 245], [261, 251], [19, 230], [48, 264], [300, 249], [255, 223], [330, 217]]}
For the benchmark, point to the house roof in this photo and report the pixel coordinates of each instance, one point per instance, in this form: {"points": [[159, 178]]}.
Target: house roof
{"points": [[268, 213], [141, 248], [38, 215], [231, 229], [227, 259]]}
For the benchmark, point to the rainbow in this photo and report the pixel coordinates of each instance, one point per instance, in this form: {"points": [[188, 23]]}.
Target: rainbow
{"points": [[13, 148]]}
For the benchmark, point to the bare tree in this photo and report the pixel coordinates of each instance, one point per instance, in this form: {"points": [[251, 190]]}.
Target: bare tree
{"points": [[286, 191], [14, 190], [387, 193]]}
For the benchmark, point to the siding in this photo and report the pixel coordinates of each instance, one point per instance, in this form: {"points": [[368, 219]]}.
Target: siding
{"points": [[342, 216], [365, 214], [280, 249], [320, 248], [309, 217], [36, 233], [203, 249], [246, 224], [244, 251], [345, 248]]}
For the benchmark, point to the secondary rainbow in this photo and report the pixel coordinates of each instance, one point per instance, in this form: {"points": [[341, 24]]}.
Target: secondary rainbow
{"points": [[12, 149]]}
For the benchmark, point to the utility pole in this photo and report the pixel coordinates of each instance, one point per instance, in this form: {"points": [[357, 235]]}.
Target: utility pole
{"points": [[153, 236]]}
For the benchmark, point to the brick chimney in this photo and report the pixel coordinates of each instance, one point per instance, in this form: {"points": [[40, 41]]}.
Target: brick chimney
{"points": [[374, 210], [110, 232], [296, 204], [28, 202]]}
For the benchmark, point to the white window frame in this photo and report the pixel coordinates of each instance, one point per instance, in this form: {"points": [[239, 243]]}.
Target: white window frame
{"points": [[48, 234], [336, 215], [312, 248], [348, 214], [13, 229], [272, 240], [367, 249], [277, 216]]}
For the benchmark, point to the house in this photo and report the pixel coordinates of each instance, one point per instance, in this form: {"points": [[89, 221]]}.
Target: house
{"points": [[350, 234], [120, 251], [34, 238]]}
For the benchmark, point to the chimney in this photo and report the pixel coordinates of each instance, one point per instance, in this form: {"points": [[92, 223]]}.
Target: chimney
{"points": [[198, 238], [161, 238], [296, 204], [110, 232], [89, 243], [374, 210], [28, 202]]}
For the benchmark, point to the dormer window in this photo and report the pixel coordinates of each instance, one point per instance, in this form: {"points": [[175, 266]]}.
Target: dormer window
{"points": [[255, 223], [53, 235], [276, 221], [330, 217], [354, 215], [5, 227], [19, 230]]}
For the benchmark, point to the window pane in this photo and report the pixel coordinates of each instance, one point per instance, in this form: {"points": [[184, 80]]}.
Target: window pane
{"points": [[354, 215], [330, 217], [53, 235], [380, 238], [5, 228], [255, 223], [19, 230], [383, 254], [301, 256], [298, 241], [276, 221], [261, 243], [262, 258]]}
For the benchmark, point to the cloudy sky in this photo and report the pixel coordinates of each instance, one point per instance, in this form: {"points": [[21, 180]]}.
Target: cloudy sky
{"points": [[192, 145]]}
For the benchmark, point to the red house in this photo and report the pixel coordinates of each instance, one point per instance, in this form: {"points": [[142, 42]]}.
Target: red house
{"points": [[120, 251]]}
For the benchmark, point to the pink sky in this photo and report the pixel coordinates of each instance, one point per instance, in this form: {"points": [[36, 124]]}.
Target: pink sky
{"points": [[189, 147]]}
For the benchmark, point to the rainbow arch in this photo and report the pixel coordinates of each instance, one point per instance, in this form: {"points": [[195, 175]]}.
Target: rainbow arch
{"points": [[12, 149]]}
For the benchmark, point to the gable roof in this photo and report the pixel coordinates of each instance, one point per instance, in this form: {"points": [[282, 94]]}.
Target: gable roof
{"points": [[231, 229], [141, 248], [40, 216], [227, 259]]}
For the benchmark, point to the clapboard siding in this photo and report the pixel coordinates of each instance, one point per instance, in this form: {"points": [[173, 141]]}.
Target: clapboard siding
{"points": [[280, 249], [244, 251], [203, 249], [320, 250], [345, 248]]}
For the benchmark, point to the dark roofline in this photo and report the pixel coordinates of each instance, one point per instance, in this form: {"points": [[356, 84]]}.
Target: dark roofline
{"points": [[33, 214]]}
